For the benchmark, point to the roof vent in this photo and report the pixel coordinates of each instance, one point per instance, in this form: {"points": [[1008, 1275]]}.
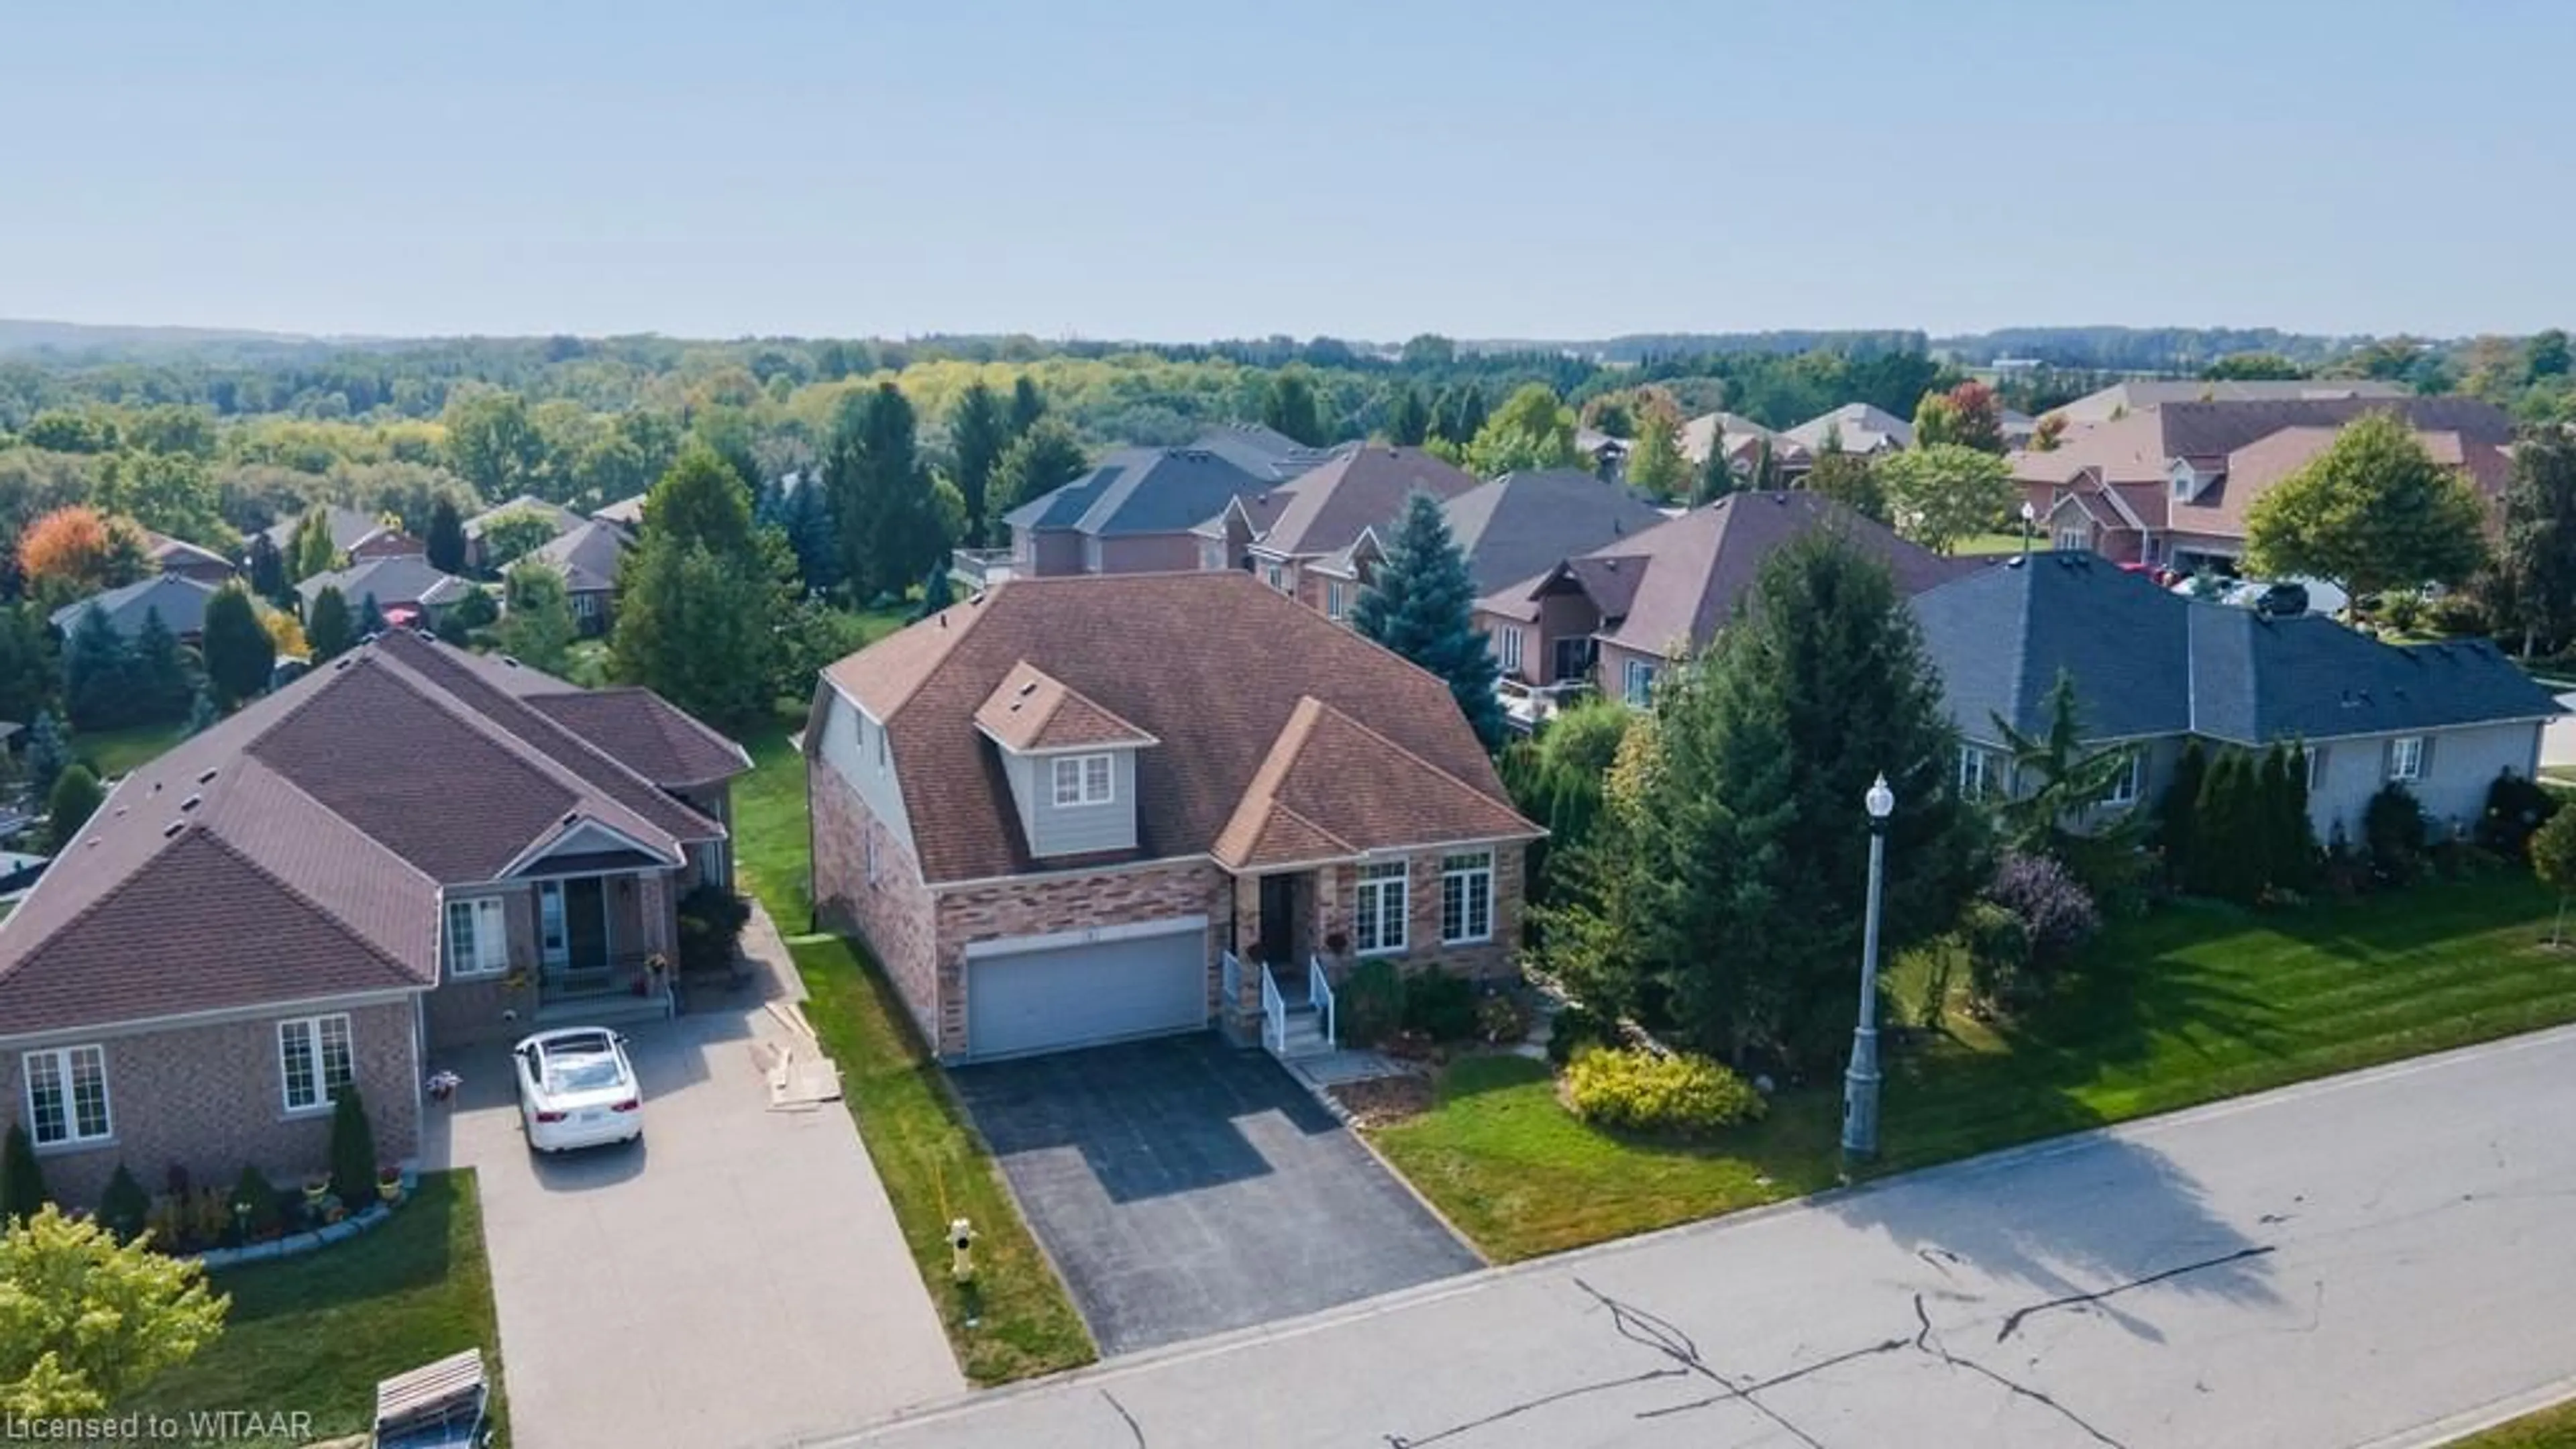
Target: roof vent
{"points": [[207, 778], [191, 803], [344, 661], [1028, 687], [173, 828], [2016, 561], [507, 662]]}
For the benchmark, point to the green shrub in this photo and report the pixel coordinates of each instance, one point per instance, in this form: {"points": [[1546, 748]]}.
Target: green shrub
{"points": [[1502, 1018], [2517, 805], [125, 1207], [711, 922], [1370, 1002], [2401, 611], [2393, 828], [1440, 1006], [1632, 1089], [1578, 1027], [353, 1149], [254, 1205], [22, 1177], [1998, 948], [2460, 615]]}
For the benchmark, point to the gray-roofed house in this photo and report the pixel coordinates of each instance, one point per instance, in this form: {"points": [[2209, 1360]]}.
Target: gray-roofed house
{"points": [[588, 556], [563, 520], [1615, 613], [1521, 523], [408, 850], [180, 599], [355, 535], [626, 513], [1853, 428], [2153, 670], [401, 582], [1746, 444], [1316, 537], [1132, 513], [178, 556]]}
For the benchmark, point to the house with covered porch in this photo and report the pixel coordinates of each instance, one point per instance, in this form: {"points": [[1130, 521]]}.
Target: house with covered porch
{"points": [[406, 852], [1074, 811]]}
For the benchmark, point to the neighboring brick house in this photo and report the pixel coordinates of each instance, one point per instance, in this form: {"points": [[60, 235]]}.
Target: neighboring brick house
{"points": [[410, 849], [407, 590], [561, 519], [589, 555], [1316, 537], [178, 556], [1134, 512], [1852, 428], [354, 535], [1056, 810], [2153, 670], [1521, 523], [1615, 614], [1748, 447], [2170, 483]]}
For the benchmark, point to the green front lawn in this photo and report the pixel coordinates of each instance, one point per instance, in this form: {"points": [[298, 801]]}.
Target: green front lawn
{"points": [[2548, 1429], [934, 1165], [2001, 542], [115, 752], [315, 1333], [2193, 1003]]}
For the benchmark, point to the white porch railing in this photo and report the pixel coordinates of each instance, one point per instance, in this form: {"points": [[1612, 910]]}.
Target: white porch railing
{"points": [[1229, 983], [1274, 1013], [1319, 995]]}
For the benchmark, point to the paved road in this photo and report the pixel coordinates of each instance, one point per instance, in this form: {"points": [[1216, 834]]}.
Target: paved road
{"points": [[2337, 1265], [1186, 1187], [735, 1279]]}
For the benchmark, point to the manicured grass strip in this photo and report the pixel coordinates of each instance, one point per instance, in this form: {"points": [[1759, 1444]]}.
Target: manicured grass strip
{"points": [[769, 812], [936, 1168], [315, 1333], [2548, 1429], [117, 752], [2002, 542], [2191, 1004]]}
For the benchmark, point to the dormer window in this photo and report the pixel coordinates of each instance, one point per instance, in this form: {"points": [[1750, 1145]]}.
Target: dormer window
{"points": [[1084, 780], [2186, 483]]}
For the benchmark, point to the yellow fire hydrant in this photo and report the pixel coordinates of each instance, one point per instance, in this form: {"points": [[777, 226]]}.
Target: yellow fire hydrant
{"points": [[961, 1249]]}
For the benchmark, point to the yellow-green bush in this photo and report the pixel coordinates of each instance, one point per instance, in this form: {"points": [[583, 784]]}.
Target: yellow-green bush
{"points": [[1633, 1089]]}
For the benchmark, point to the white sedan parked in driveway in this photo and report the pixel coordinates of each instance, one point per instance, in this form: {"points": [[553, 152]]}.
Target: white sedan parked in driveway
{"points": [[577, 1089]]}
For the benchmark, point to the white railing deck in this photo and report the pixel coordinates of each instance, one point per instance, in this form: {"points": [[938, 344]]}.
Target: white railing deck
{"points": [[1319, 995], [1274, 1012], [1230, 979]]}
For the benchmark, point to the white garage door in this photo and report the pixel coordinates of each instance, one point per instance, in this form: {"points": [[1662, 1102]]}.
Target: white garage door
{"points": [[1048, 993]]}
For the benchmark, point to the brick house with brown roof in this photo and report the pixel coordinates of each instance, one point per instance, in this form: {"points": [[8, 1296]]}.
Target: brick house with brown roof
{"points": [[1315, 537], [2170, 484], [1613, 616], [1069, 811], [411, 849]]}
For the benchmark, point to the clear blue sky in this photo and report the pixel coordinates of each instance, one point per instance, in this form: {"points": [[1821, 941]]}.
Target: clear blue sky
{"points": [[1363, 168]]}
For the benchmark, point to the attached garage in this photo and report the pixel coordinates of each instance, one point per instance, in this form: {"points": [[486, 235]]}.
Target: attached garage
{"points": [[1052, 993]]}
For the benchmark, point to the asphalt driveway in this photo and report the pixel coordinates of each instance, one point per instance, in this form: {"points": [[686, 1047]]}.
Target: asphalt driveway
{"points": [[736, 1278], [1185, 1187]]}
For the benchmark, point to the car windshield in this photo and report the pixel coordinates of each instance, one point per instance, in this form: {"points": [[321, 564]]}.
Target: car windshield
{"points": [[586, 1063]]}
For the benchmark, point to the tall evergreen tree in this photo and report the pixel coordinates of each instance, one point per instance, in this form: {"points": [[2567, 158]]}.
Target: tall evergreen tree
{"points": [[238, 651], [1420, 605], [328, 631], [1027, 405], [2062, 785], [371, 617], [48, 753], [2536, 567], [1714, 478], [1753, 848], [881, 494], [268, 571], [28, 674], [536, 625], [314, 551], [978, 432], [2177, 823], [1409, 422], [98, 675], [445, 543], [1463, 418], [806, 519], [158, 672], [1290, 406]]}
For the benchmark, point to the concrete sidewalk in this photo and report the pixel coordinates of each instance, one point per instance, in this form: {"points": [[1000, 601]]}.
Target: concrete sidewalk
{"points": [[735, 1279], [2373, 1260]]}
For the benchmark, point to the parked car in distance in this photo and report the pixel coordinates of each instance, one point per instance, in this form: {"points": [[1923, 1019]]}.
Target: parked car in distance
{"points": [[577, 1089]]}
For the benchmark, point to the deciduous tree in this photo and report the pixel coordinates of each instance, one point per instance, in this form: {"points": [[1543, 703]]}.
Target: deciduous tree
{"points": [[1657, 467], [1532, 429], [2374, 511], [82, 550], [86, 1320], [1945, 493], [1420, 604], [1849, 480], [1409, 421], [492, 443], [513, 535], [238, 652], [2553, 859], [537, 626], [697, 601], [1043, 459]]}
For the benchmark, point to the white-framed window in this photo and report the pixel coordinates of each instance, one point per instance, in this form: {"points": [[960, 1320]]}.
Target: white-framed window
{"points": [[478, 937], [711, 863], [2316, 766], [1973, 779], [1083, 780], [552, 941], [1507, 649], [1275, 576], [1378, 919], [585, 605], [67, 1096], [313, 1061], [2406, 758], [1637, 683], [1466, 897], [2125, 788], [2074, 539], [1333, 601]]}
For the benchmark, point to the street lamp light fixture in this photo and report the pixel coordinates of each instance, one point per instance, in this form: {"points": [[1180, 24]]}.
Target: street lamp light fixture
{"points": [[1860, 1083], [2029, 517]]}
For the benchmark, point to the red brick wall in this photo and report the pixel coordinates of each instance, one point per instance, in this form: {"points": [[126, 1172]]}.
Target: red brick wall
{"points": [[1042, 905], [893, 913], [209, 1099]]}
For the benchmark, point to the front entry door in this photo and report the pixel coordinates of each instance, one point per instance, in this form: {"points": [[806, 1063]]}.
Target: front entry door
{"points": [[1278, 919], [586, 922]]}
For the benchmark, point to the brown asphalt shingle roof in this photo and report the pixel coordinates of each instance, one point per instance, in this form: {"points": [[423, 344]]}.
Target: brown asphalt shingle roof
{"points": [[1033, 710], [1213, 665], [646, 733], [1326, 766], [295, 851], [1327, 507]]}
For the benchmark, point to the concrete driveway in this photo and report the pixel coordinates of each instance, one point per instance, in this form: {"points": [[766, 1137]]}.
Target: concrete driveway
{"points": [[1185, 1187], [736, 1278]]}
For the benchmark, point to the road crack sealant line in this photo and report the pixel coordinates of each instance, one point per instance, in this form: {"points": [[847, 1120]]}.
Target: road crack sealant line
{"points": [[1646, 1329]]}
